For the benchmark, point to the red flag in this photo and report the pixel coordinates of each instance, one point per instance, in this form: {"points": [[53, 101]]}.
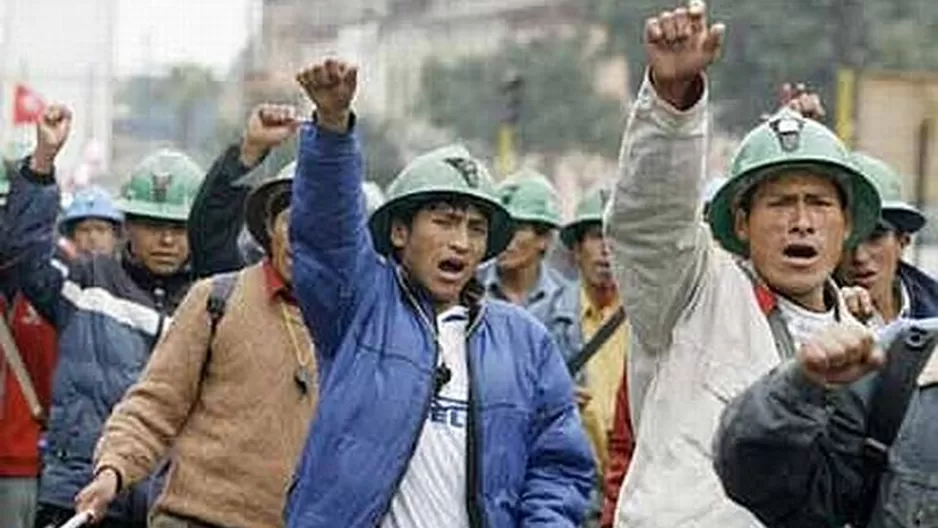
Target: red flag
{"points": [[27, 105]]}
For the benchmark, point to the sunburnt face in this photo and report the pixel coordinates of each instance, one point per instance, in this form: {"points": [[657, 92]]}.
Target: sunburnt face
{"points": [[95, 236], [592, 258], [527, 248], [162, 247], [875, 263], [442, 247], [796, 228]]}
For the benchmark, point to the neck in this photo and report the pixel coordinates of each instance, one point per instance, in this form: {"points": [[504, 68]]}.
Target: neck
{"points": [[888, 300], [601, 295], [517, 283], [813, 301]]}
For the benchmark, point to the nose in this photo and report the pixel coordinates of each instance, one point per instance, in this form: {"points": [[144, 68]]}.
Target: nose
{"points": [[459, 241], [861, 254], [802, 221]]}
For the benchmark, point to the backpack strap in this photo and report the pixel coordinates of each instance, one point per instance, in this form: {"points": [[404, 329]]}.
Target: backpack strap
{"points": [[768, 303], [895, 385], [596, 342], [222, 286]]}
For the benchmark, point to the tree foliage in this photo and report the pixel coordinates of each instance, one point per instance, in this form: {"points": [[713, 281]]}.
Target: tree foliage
{"points": [[769, 43], [560, 111]]}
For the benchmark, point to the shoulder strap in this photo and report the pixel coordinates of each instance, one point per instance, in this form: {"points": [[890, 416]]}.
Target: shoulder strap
{"points": [[13, 358], [895, 385], [222, 286], [905, 359], [784, 342], [596, 342]]}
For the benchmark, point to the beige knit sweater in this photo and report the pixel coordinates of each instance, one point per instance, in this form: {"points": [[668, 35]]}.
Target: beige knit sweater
{"points": [[235, 435]]}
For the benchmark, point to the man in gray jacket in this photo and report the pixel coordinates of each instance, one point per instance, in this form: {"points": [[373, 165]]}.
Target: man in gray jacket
{"points": [[708, 321], [818, 442]]}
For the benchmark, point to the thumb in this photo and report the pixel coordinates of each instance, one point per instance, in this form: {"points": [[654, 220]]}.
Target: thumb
{"points": [[714, 40]]}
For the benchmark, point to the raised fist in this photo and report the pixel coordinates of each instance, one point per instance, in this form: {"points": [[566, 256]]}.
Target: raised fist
{"points": [[331, 85], [841, 354], [269, 126], [51, 132], [680, 46], [807, 103]]}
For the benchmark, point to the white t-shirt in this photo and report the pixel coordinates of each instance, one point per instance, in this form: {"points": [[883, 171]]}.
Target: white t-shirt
{"points": [[432, 493], [803, 323]]}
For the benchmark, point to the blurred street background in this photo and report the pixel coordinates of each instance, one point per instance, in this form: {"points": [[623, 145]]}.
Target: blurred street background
{"points": [[544, 83]]}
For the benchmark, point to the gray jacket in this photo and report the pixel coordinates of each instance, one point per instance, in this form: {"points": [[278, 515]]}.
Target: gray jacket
{"points": [[793, 453]]}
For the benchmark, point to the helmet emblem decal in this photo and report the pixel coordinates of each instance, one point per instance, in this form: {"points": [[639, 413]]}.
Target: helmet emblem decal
{"points": [[161, 183], [509, 196], [468, 169], [788, 131]]}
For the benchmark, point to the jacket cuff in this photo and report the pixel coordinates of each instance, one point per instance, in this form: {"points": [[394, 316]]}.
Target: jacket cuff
{"points": [[34, 177], [117, 472], [798, 387], [649, 102]]}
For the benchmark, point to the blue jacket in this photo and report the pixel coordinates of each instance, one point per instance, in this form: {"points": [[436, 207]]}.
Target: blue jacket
{"points": [[528, 461], [923, 291], [109, 313]]}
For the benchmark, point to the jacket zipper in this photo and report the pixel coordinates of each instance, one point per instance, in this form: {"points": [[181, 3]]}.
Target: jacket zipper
{"points": [[473, 440], [471, 502]]}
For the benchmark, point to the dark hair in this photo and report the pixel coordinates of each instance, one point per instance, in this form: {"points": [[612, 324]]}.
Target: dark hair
{"points": [[744, 202], [409, 209]]}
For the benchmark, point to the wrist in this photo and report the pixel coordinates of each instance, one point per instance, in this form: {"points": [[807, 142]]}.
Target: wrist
{"points": [[681, 93], [42, 162], [113, 473], [333, 121], [251, 153]]}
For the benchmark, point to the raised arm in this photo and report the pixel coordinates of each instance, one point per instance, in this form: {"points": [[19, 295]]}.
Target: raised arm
{"points": [[31, 211], [333, 256], [218, 211], [654, 216]]}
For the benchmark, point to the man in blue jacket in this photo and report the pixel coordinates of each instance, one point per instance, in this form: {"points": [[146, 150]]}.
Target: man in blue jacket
{"points": [[897, 288], [437, 408]]}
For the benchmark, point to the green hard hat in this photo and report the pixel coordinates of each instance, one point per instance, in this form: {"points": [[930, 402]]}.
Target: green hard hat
{"points": [[896, 211], [162, 186], [589, 210], [529, 197], [789, 141], [445, 172]]}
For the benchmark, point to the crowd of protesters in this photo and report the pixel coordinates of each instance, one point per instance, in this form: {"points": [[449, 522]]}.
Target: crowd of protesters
{"points": [[311, 350]]}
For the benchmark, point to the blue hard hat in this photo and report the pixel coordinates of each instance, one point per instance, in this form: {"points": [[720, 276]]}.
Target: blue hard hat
{"points": [[93, 202]]}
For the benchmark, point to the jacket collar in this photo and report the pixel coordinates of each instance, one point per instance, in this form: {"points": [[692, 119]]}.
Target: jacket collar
{"points": [[546, 286], [174, 286], [923, 291], [471, 297]]}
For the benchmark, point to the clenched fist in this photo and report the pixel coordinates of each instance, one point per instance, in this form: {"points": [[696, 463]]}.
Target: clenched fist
{"points": [[51, 132], [331, 85], [97, 495], [680, 46], [803, 101], [840, 355], [269, 126]]}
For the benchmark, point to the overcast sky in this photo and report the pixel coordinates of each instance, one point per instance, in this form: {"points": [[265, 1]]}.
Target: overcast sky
{"points": [[206, 31]]}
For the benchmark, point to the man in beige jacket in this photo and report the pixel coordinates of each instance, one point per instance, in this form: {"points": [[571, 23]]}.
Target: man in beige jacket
{"points": [[229, 399], [709, 321]]}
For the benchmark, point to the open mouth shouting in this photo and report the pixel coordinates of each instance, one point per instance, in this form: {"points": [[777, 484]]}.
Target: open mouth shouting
{"points": [[452, 269], [800, 254]]}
